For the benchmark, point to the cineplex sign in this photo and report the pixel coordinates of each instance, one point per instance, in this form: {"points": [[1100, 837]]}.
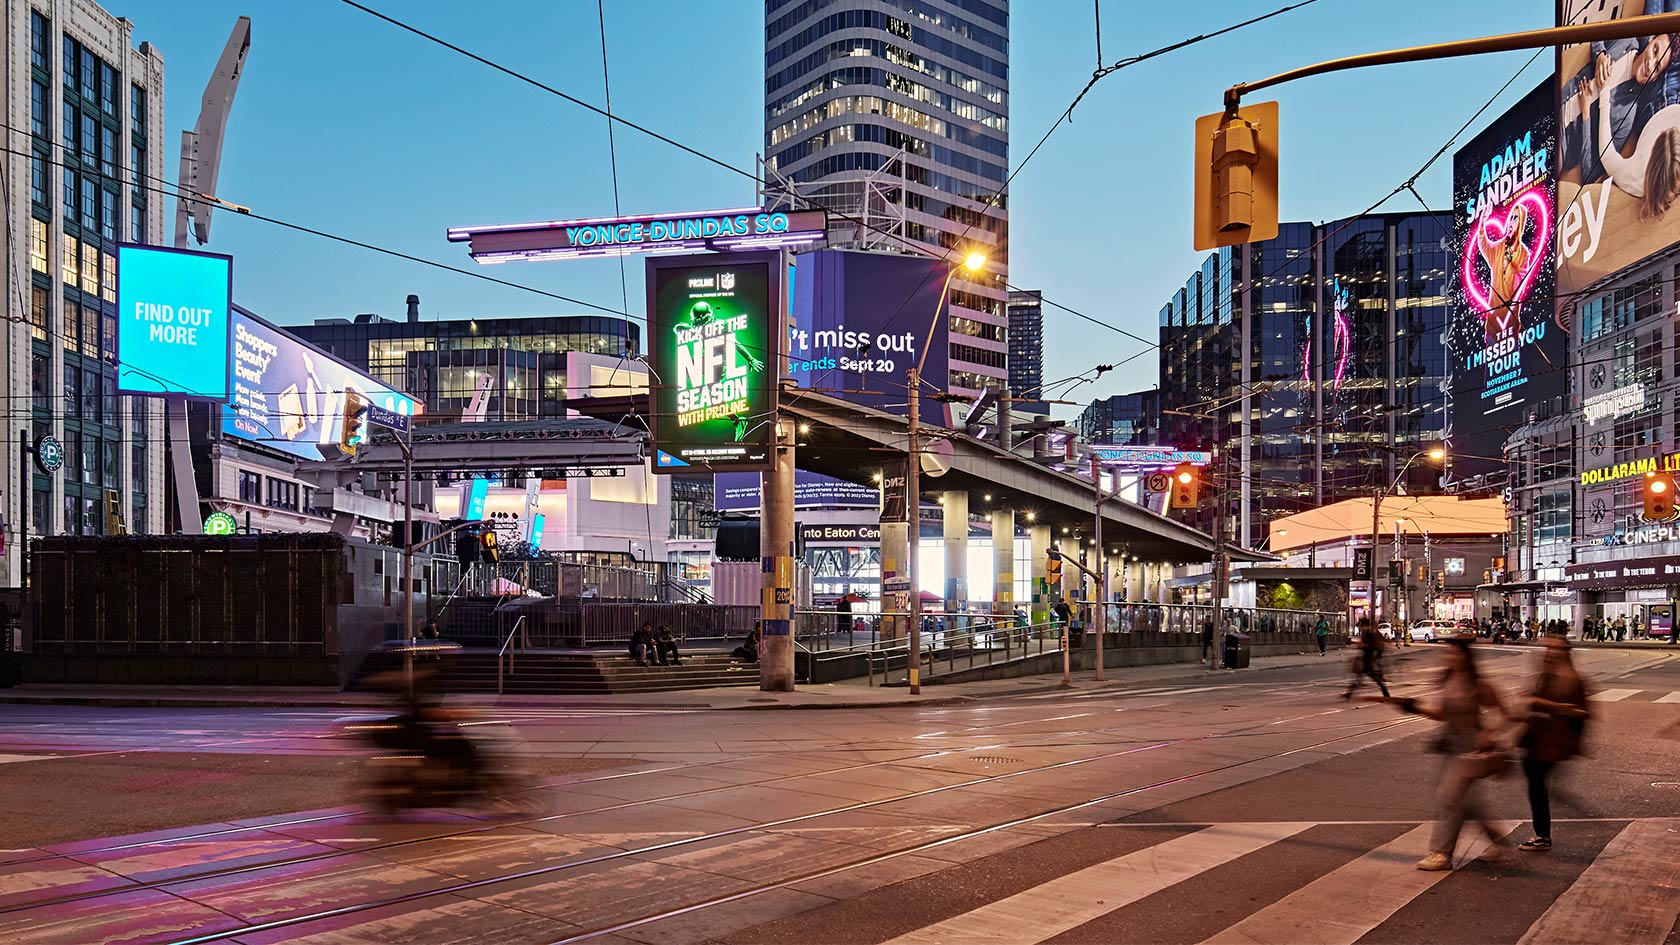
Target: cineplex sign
{"points": [[1638, 572]]}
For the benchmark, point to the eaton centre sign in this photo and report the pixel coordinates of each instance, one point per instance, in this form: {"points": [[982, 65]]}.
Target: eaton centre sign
{"points": [[725, 230]]}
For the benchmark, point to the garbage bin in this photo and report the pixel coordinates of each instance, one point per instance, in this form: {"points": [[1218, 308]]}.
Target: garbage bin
{"points": [[1236, 651]]}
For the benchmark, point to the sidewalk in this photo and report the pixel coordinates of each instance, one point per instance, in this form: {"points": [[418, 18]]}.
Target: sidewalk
{"points": [[849, 694]]}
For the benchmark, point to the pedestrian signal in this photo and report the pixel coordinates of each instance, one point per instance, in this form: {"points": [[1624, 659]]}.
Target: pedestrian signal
{"points": [[1186, 486], [488, 542], [1659, 497], [1236, 176]]}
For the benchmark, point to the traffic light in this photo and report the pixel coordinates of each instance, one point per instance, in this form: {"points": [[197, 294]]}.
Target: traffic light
{"points": [[351, 432], [1659, 497], [487, 541], [1236, 176], [1053, 568], [1186, 489]]}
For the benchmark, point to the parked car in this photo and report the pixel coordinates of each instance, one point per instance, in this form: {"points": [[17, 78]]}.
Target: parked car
{"points": [[1428, 631]]}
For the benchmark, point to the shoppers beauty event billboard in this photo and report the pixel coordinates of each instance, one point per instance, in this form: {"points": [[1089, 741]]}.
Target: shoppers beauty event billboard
{"points": [[861, 321], [1619, 144], [740, 492], [715, 325], [1506, 347], [172, 321], [290, 395]]}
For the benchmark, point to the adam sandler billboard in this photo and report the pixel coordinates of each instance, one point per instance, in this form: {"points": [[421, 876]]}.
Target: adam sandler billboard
{"points": [[1619, 129], [715, 325], [290, 395], [1506, 346]]}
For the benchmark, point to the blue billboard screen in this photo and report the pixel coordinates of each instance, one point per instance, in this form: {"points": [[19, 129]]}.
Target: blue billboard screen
{"points": [[172, 322], [290, 395]]}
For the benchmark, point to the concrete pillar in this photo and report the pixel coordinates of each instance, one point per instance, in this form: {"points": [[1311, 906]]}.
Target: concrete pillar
{"points": [[1003, 562], [956, 556], [775, 543], [895, 558], [1039, 536]]}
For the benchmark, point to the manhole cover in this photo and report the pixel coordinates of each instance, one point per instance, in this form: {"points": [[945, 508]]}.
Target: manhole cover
{"points": [[995, 760]]}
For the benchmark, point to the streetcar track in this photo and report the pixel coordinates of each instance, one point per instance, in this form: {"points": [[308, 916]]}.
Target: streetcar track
{"points": [[782, 884], [216, 874]]}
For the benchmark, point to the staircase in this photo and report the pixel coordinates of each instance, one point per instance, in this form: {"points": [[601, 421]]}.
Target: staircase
{"points": [[547, 673]]}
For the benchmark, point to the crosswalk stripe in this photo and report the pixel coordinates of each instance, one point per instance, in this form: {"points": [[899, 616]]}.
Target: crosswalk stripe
{"points": [[1342, 906], [1626, 897], [1612, 695], [1072, 900], [1671, 697]]}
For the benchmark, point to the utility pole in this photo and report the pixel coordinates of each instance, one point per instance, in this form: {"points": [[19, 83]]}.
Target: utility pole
{"points": [[1100, 618], [775, 664], [913, 501]]}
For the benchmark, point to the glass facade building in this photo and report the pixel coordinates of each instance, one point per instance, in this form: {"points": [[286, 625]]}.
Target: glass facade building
{"points": [[1315, 361], [1026, 347], [1122, 419], [519, 364], [894, 115], [88, 106]]}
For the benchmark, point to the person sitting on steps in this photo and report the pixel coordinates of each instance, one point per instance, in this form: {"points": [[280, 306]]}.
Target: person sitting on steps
{"points": [[666, 645]]}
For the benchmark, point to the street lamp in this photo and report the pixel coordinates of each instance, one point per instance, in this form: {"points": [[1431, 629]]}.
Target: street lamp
{"points": [[1434, 454], [912, 475]]}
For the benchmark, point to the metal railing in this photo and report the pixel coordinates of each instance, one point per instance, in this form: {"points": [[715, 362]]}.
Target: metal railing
{"points": [[976, 639], [655, 581], [504, 658]]}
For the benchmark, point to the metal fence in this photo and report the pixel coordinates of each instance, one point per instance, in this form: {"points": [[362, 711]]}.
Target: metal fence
{"points": [[569, 622], [655, 581]]}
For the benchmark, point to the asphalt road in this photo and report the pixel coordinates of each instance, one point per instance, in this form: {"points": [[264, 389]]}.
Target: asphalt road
{"points": [[1255, 807]]}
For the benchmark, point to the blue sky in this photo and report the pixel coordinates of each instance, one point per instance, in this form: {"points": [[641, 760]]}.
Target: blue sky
{"points": [[346, 124]]}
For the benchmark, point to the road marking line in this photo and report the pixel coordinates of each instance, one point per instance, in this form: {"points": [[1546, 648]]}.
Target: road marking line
{"points": [[1671, 697], [1612, 695], [1067, 902], [1626, 897], [1344, 905]]}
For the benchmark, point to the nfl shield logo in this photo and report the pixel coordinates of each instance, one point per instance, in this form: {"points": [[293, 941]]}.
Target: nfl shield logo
{"points": [[726, 280]]}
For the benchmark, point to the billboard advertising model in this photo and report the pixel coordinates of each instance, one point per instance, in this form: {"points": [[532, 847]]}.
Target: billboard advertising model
{"points": [[860, 322], [1506, 347], [715, 325], [172, 321], [1619, 146], [290, 395]]}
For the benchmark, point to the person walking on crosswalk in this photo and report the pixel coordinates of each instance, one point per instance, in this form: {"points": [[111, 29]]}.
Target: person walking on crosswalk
{"points": [[1472, 716], [1368, 662], [1557, 716]]}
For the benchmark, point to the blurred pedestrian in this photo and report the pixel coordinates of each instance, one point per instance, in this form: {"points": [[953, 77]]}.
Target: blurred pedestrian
{"points": [[1322, 632], [843, 612], [1368, 662], [1472, 716], [1557, 718]]}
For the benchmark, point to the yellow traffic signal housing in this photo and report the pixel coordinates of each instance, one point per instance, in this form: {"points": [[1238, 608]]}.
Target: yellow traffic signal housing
{"points": [[1236, 176], [491, 552], [1659, 497], [1186, 489], [350, 432]]}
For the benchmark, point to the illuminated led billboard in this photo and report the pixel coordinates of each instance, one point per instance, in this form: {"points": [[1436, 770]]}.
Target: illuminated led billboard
{"points": [[290, 395], [172, 321], [1505, 346], [715, 325], [1619, 143]]}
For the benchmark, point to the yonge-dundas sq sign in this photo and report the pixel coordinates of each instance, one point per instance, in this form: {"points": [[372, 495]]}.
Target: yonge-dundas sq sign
{"points": [[723, 230]]}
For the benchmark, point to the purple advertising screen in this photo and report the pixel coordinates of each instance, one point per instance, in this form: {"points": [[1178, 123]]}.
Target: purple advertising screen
{"points": [[860, 322], [739, 492]]}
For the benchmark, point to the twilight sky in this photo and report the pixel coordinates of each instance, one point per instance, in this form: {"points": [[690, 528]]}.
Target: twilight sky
{"points": [[346, 124]]}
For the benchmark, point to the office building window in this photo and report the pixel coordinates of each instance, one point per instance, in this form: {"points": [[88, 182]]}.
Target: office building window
{"points": [[108, 89], [38, 181], [39, 29], [283, 494], [137, 474], [38, 245], [40, 381], [137, 111], [38, 100], [72, 324], [39, 315], [250, 487]]}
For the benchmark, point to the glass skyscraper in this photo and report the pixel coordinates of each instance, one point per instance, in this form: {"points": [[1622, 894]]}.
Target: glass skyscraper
{"points": [[1315, 360], [893, 114]]}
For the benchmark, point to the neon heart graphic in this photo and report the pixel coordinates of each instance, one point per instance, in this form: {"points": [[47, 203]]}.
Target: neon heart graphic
{"points": [[1495, 227]]}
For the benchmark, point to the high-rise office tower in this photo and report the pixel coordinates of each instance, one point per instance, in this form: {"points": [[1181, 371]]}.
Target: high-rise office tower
{"points": [[893, 114], [1026, 348], [87, 108]]}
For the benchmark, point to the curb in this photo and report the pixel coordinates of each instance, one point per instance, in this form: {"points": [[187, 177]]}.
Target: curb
{"points": [[145, 702]]}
